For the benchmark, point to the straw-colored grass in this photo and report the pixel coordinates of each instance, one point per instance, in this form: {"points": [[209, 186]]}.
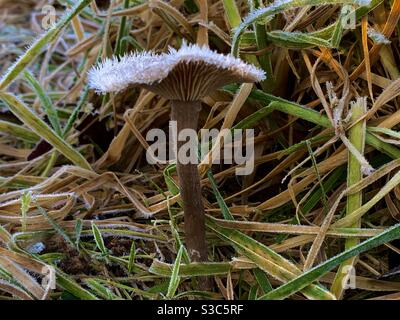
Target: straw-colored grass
{"points": [[78, 198]]}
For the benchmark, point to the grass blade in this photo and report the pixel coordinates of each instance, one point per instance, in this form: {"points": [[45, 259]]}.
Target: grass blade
{"points": [[78, 232], [194, 269], [55, 225], [273, 9], [38, 126], [18, 131], [47, 104], [99, 239], [315, 273], [175, 279], [354, 201], [276, 103], [221, 202], [297, 40], [36, 48], [267, 259], [132, 254]]}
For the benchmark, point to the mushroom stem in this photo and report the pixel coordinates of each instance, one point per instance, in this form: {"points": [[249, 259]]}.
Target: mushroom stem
{"points": [[186, 114]]}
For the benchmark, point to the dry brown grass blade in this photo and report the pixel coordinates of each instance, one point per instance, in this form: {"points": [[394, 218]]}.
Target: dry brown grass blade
{"points": [[392, 296], [23, 278], [202, 34], [237, 103], [114, 152], [389, 28], [134, 204], [14, 291], [292, 229], [390, 92], [217, 31], [165, 11], [316, 86], [364, 34], [130, 12], [316, 246]]}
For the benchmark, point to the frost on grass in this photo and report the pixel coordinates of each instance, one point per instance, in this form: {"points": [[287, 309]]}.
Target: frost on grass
{"points": [[377, 37], [362, 3], [36, 248], [114, 75], [37, 45], [279, 6]]}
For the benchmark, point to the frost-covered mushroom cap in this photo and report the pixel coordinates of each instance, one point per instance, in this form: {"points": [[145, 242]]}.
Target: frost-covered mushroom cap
{"points": [[187, 74]]}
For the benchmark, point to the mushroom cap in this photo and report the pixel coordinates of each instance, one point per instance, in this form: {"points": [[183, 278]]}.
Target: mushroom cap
{"points": [[187, 74]]}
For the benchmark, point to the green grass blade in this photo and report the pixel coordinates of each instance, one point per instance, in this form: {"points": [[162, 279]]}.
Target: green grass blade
{"points": [[252, 293], [266, 259], [354, 201], [232, 13], [122, 32], [315, 273], [389, 132], [194, 269], [262, 42], [75, 113], [170, 182], [36, 48], [279, 104], [101, 290], [296, 40], [175, 279], [18, 131], [273, 9], [37, 125], [55, 225], [221, 202], [337, 31], [99, 239], [132, 255], [46, 102], [262, 280], [25, 203], [68, 284], [78, 232]]}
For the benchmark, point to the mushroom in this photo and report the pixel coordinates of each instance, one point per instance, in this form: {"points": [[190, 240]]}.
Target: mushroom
{"points": [[183, 76]]}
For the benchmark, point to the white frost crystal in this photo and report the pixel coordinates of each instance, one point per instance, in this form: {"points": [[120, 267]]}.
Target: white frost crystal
{"points": [[363, 3], [194, 53], [36, 248], [377, 37], [114, 75]]}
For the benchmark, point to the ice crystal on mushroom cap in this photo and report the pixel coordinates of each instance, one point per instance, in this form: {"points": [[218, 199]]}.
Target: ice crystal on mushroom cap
{"points": [[116, 74], [195, 53], [185, 74]]}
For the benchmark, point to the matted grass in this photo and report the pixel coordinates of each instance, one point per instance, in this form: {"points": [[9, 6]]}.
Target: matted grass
{"points": [[78, 198]]}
